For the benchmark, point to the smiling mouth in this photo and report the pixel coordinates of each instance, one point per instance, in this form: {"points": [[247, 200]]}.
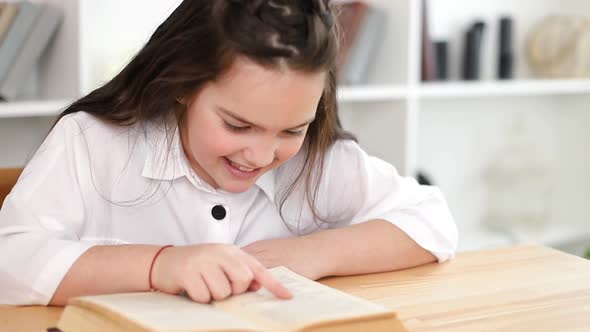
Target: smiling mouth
{"points": [[240, 167]]}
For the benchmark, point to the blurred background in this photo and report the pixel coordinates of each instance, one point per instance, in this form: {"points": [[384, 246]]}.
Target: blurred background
{"points": [[488, 99]]}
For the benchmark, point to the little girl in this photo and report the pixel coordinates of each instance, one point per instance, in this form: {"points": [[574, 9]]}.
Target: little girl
{"points": [[215, 154]]}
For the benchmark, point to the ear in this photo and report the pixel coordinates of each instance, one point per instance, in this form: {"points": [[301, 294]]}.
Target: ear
{"points": [[187, 99]]}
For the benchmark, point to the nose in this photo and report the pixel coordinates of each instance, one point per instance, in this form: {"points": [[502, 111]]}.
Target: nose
{"points": [[261, 152]]}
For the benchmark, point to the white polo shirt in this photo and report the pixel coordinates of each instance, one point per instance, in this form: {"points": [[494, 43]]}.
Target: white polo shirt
{"points": [[92, 183]]}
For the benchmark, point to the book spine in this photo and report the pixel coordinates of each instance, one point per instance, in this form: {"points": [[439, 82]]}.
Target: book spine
{"points": [[364, 47], [350, 19], [6, 18], [441, 50], [505, 51], [472, 51], [428, 72], [30, 52], [20, 28]]}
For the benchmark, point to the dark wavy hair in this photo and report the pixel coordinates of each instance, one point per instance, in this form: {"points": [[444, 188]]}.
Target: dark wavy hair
{"points": [[200, 41]]}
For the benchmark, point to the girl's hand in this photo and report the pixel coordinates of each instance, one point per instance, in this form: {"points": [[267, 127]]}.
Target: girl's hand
{"points": [[212, 272]]}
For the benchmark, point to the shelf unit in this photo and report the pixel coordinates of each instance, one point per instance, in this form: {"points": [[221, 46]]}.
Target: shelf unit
{"points": [[453, 131], [528, 88], [27, 109], [373, 94]]}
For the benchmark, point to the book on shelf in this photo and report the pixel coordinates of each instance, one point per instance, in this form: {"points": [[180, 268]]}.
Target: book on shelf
{"points": [[350, 15], [472, 48], [362, 27], [428, 66], [16, 35], [441, 53], [30, 52], [314, 307], [7, 14], [27, 36], [505, 49]]}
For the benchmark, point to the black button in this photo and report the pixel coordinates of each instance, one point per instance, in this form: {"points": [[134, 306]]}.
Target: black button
{"points": [[218, 212]]}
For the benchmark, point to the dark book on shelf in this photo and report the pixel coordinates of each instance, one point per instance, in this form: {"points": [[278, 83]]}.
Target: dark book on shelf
{"points": [[472, 51], [505, 50], [429, 71], [441, 51], [29, 52]]}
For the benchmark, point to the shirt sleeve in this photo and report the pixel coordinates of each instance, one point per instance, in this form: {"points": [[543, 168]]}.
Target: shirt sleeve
{"points": [[357, 188], [42, 217]]}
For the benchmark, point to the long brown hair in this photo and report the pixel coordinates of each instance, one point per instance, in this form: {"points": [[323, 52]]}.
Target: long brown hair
{"points": [[201, 39]]}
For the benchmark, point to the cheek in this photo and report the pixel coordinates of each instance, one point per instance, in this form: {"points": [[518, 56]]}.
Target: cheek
{"points": [[210, 141], [288, 149], [216, 143]]}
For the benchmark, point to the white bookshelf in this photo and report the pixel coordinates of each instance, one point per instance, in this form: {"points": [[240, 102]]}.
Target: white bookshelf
{"points": [[372, 93], [526, 88], [451, 130], [27, 109]]}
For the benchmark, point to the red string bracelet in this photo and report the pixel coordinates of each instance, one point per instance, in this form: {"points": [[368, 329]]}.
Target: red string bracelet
{"points": [[153, 261]]}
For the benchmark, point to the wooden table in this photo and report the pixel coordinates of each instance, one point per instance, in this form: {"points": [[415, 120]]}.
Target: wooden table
{"points": [[525, 288]]}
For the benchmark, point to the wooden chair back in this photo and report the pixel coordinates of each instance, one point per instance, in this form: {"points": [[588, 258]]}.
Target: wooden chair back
{"points": [[8, 177]]}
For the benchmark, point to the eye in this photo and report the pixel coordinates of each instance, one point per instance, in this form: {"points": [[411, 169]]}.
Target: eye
{"points": [[298, 132], [235, 128]]}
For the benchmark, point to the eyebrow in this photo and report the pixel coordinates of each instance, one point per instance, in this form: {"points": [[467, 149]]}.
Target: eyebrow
{"points": [[237, 117]]}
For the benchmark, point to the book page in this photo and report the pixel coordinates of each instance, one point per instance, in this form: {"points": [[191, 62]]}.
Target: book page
{"points": [[163, 312], [311, 302]]}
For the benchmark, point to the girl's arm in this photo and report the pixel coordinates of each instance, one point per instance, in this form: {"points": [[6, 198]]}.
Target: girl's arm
{"points": [[107, 269], [206, 272], [367, 218], [374, 246]]}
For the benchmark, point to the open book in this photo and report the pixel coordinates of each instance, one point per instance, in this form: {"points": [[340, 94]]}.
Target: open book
{"points": [[314, 307]]}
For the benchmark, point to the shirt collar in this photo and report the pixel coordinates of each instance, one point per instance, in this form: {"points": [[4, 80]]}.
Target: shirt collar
{"points": [[267, 183], [165, 160], [163, 153]]}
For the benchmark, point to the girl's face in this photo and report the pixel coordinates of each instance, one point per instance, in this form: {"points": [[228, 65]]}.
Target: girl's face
{"points": [[250, 121]]}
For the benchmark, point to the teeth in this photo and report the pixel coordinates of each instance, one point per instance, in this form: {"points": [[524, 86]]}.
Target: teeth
{"points": [[244, 169], [241, 168]]}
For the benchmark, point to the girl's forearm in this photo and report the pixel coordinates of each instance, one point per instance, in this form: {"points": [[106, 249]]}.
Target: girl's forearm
{"points": [[374, 246], [107, 269]]}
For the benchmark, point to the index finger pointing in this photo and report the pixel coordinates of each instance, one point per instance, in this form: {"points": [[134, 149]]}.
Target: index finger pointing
{"points": [[268, 281]]}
